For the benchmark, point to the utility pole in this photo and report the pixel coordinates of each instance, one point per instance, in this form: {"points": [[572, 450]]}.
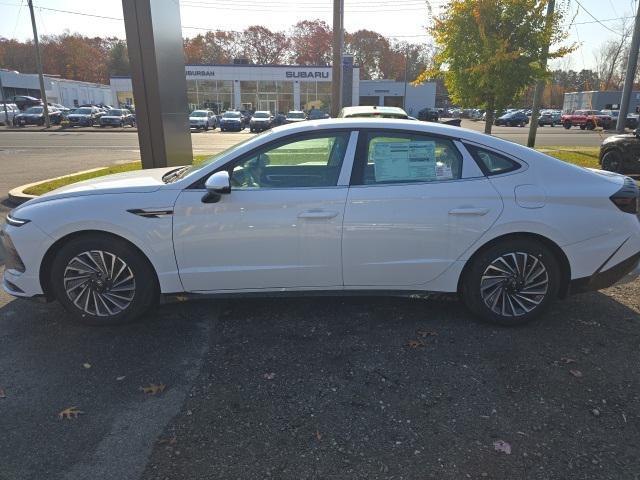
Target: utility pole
{"points": [[537, 95], [338, 39], [632, 62], [404, 98], [4, 102], [43, 94]]}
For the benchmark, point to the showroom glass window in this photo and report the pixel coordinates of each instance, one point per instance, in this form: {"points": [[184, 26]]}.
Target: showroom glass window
{"points": [[315, 95], [312, 161], [396, 157]]}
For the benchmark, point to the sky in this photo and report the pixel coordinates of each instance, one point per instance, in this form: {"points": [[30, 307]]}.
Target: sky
{"points": [[402, 19]]}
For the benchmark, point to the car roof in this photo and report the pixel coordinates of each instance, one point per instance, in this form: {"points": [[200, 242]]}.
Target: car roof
{"points": [[295, 111]]}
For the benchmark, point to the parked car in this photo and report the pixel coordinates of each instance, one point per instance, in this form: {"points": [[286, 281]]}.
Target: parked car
{"points": [[11, 111], [295, 116], [232, 121], [202, 120], [117, 117], [621, 153], [516, 118], [35, 116], [84, 117], [24, 101], [261, 121], [429, 114], [373, 112], [279, 119], [317, 114], [549, 117], [631, 122], [586, 119], [507, 228], [60, 107]]}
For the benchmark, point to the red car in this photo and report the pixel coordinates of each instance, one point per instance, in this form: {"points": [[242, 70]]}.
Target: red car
{"points": [[588, 119]]}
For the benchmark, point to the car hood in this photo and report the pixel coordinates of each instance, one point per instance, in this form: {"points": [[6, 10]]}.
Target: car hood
{"points": [[260, 119], [230, 119], [114, 117], [295, 119], [137, 181], [623, 136], [79, 115], [195, 119]]}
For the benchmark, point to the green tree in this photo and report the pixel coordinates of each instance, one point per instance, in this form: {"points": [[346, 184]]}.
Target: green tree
{"points": [[490, 51], [118, 59]]}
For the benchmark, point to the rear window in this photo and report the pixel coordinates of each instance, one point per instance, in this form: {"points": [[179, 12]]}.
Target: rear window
{"points": [[492, 163]]}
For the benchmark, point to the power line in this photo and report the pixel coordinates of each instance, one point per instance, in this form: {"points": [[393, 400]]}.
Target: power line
{"points": [[597, 21]]}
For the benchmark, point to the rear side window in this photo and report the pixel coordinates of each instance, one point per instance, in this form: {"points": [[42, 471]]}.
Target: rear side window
{"points": [[492, 163], [396, 157]]}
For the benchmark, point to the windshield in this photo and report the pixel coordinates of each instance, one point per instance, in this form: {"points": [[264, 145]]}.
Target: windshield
{"points": [[261, 115], [198, 114], [83, 111], [34, 110], [231, 115], [115, 112], [295, 115]]}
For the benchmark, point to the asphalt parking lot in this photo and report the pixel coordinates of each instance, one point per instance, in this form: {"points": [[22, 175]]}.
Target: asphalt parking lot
{"points": [[313, 388]]}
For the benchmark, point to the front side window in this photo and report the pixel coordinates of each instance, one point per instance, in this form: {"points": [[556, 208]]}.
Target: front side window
{"points": [[314, 161], [390, 157]]}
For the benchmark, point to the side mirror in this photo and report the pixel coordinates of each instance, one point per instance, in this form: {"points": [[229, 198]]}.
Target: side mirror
{"points": [[217, 184]]}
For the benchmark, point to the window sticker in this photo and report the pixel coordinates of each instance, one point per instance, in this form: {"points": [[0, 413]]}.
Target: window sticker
{"points": [[411, 161]]}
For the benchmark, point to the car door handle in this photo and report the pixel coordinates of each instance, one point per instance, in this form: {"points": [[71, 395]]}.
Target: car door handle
{"points": [[469, 211], [319, 214]]}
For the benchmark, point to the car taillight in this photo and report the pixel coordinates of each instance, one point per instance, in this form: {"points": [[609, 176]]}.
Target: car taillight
{"points": [[627, 198]]}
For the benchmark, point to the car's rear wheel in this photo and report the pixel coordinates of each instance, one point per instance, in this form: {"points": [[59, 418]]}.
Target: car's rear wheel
{"points": [[612, 162], [512, 282], [567, 125], [101, 280], [590, 126]]}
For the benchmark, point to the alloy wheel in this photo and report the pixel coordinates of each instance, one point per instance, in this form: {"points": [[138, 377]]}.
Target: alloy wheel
{"points": [[99, 283], [514, 284]]}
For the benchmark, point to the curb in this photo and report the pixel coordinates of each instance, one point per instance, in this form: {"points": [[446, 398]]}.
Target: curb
{"points": [[17, 195], [72, 129]]}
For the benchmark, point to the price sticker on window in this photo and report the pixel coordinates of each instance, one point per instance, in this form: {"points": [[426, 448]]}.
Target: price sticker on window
{"points": [[404, 161]]}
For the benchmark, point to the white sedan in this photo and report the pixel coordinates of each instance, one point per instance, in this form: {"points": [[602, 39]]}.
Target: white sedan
{"points": [[334, 206]]}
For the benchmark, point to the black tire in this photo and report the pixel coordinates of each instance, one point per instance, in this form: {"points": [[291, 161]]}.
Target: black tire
{"points": [[553, 124], [567, 125], [590, 126], [582, 127], [612, 161], [144, 291], [536, 257]]}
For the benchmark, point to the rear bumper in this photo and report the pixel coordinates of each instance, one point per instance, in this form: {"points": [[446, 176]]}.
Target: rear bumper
{"points": [[624, 272]]}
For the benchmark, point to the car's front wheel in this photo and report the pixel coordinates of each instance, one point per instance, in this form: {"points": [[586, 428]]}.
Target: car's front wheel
{"points": [[511, 282], [612, 161], [102, 280]]}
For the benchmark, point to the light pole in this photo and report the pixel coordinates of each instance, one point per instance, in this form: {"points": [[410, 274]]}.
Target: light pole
{"points": [[36, 43], [632, 63], [404, 98], [338, 39], [4, 102]]}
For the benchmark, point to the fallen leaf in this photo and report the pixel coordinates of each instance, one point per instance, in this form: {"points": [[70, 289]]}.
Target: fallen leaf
{"points": [[502, 446], [69, 413], [567, 360], [415, 344], [153, 388], [86, 365], [576, 373], [2, 394], [269, 376], [119, 379], [318, 436], [425, 333]]}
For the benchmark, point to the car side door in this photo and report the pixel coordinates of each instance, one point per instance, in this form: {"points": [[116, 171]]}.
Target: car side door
{"points": [[281, 224], [416, 203]]}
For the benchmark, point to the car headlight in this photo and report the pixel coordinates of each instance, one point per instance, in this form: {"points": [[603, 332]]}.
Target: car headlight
{"points": [[16, 222]]}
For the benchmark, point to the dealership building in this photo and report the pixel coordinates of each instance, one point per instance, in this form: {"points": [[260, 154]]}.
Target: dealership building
{"points": [[281, 88], [70, 93], [598, 100]]}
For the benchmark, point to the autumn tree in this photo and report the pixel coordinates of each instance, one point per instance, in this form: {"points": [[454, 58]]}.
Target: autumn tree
{"points": [[489, 51], [262, 46], [368, 49], [217, 47], [311, 43], [118, 59]]}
